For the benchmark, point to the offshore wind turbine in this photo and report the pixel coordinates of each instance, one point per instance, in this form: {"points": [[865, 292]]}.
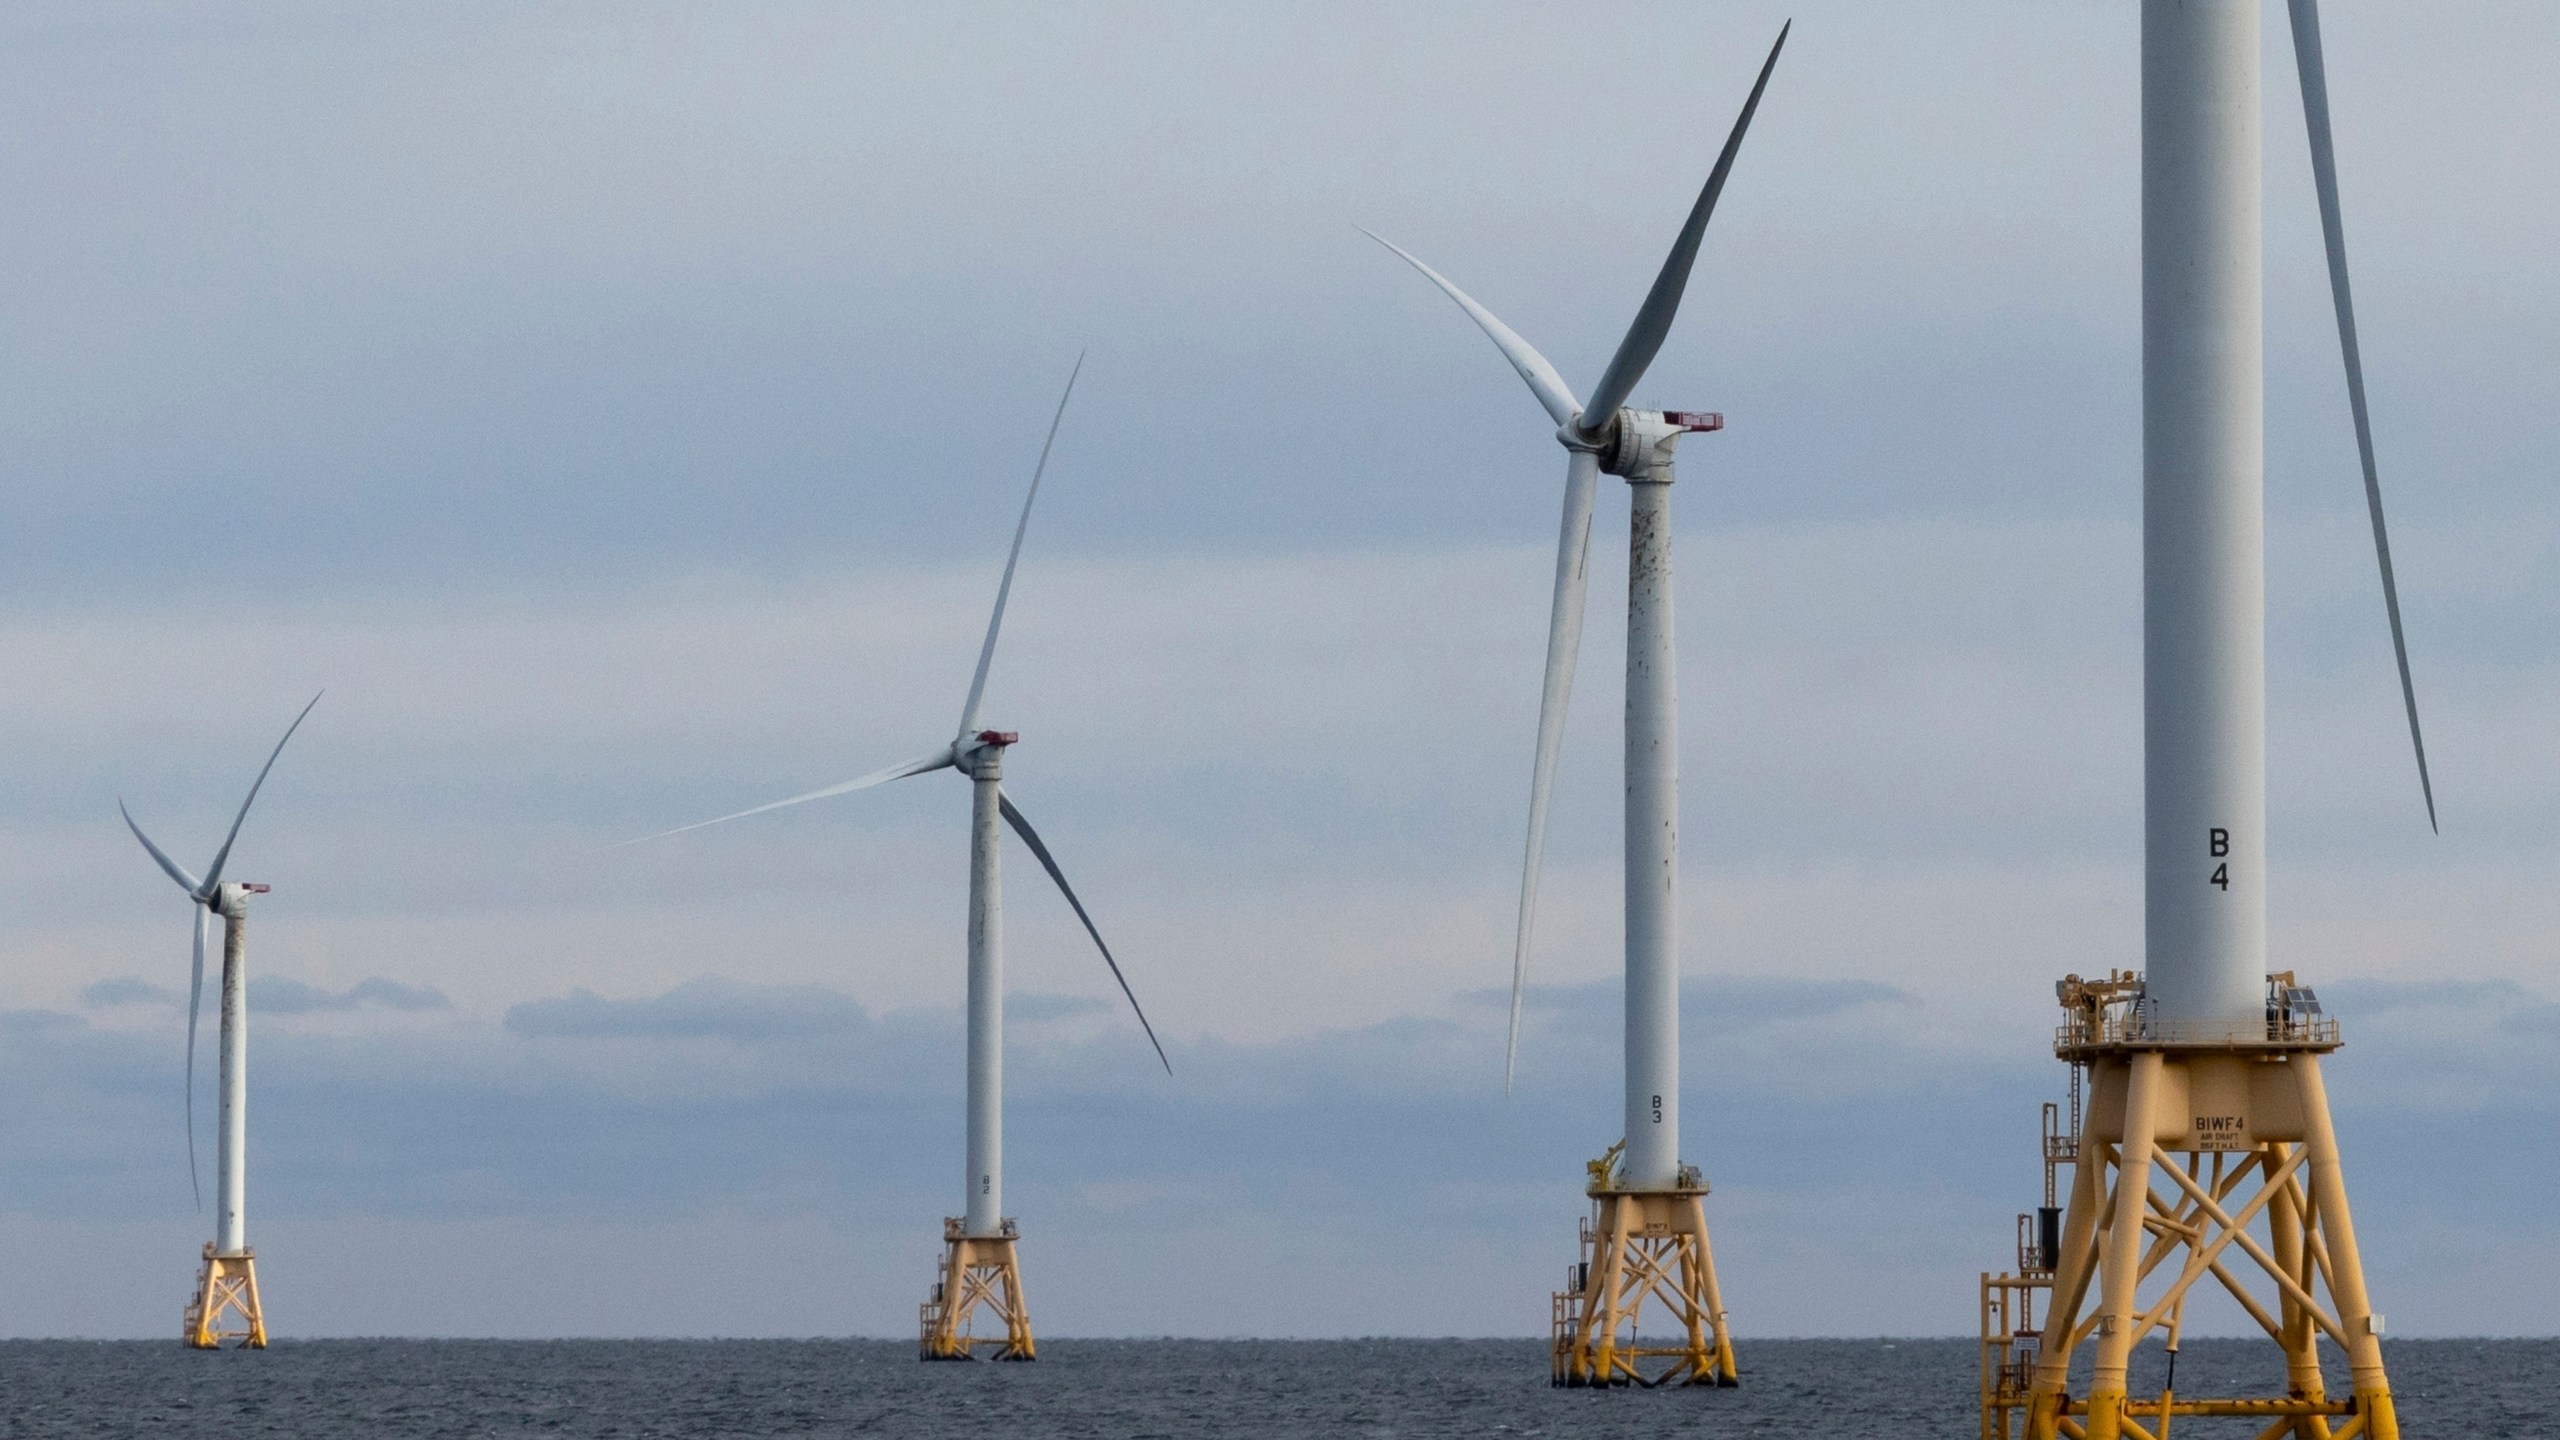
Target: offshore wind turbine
{"points": [[2207, 1147], [226, 1292], [979, 1266], [1648, 1236]]}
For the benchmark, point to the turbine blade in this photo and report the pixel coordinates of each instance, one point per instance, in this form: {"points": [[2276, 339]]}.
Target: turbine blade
{"points": [[1049, 863], [177, 872], [195, 1006], [2324, 174], [932, 760], [1653, 321], [221, 857], [1543, 380], [1564, 640], [1004, 588]]}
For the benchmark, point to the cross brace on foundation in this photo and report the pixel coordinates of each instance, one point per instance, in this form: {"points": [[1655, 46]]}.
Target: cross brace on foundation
{"points": [[979, 1273], [2204, 1159], [1640, 1245], [225, 1305]]}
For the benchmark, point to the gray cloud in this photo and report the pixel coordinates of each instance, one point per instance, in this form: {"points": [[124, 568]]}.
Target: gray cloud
{"points": [[39, 1024], [1730, 1003], [708, 1008], [129, 990], [2540, 1022], [277, 995], [1037, 1006], [274, 995], [1395, 1134]]}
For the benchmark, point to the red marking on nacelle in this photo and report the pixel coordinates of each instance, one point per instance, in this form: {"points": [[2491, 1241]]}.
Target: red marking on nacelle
{"points": [[1694, 419], [257, 889], [998, 737]]}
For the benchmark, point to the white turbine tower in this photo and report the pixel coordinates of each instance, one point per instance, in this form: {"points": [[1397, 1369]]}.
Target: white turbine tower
{"points": [[2205, 1070], [979, 1265], [1649, 1232], [226, 1290]]}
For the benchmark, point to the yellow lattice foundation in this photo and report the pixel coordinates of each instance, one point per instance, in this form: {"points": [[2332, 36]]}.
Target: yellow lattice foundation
{"points": [[225, 1306], [2205, 1160], [979, 1274], [1639, 1246]]}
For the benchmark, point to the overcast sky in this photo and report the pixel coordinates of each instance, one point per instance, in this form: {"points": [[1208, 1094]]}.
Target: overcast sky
{"points": [[621, 410]]}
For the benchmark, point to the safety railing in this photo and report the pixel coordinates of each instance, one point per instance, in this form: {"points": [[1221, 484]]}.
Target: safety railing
{"points": [[2135, 1027]]}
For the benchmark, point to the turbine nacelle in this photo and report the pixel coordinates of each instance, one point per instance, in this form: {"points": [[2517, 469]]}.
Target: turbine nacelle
{"points": [[1635, 443], [230, 895], [966, 749]]}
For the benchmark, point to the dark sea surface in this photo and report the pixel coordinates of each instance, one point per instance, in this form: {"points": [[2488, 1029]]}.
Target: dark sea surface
{"points": [[1172, 1388]]}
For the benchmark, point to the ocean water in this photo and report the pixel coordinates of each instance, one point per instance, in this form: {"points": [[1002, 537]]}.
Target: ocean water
{"points": [[1114, 1388]]}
